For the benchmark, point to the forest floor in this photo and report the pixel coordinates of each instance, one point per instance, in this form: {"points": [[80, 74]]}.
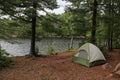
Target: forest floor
{"points": [[58, 67]]}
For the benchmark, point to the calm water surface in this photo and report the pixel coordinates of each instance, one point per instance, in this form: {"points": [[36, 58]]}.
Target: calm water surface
{"points": [[21, 47]]}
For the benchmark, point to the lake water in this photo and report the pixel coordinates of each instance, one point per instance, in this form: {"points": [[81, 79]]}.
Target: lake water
{"points": [[21, 47]]}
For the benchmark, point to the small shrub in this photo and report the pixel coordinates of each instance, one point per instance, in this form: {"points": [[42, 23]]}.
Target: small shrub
{"points": [[36, 50], [80, 44], [51, 49], [4, 60], [119, 54], [105, 51]]}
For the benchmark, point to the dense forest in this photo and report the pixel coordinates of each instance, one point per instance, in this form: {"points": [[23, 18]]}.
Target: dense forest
{"points": [[96, 20]]}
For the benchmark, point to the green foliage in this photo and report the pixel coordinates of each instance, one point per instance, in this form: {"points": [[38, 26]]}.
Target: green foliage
{"points": [[72, 24], [4, 61], [39, 32], [80, 44], [7, 28], [36, 50], [119, 53], [105, 51], [77, 20], [23, 29], [27, 11], [51, 49]]}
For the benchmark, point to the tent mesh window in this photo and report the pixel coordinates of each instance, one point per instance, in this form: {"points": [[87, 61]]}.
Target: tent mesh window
{"points": [[83, 54]]}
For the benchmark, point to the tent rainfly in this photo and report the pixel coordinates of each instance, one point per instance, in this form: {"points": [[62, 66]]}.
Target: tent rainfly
{"points": [[89, 55]]}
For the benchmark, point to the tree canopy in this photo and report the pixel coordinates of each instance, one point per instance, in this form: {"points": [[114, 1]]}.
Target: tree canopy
{"points": [[97, 20]]}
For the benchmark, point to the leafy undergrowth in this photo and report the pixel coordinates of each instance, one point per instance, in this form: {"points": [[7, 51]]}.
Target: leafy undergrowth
{"points": [[4, 60]]}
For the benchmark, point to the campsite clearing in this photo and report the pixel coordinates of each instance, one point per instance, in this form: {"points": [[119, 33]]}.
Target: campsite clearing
{"points": [[57, 67]]}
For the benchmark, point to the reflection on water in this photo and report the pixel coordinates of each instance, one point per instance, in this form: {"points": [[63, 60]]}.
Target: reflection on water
{"points": [[23, 47]]}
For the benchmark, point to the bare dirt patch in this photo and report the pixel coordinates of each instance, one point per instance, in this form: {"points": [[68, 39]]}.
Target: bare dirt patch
{"points": [[57, 67]]}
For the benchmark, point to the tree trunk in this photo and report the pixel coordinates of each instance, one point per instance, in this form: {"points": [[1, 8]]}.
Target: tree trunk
{"points": [[71, 42], [93, 32], [32, 49], [110, 28]]}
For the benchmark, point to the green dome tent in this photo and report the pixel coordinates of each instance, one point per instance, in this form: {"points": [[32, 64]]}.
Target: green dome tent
{"points": [[89, 55]]}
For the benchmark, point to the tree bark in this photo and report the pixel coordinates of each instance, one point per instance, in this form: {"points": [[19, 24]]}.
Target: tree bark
{"points": [[93, 32], [110, 28], [71, 42], [33, 37]]}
